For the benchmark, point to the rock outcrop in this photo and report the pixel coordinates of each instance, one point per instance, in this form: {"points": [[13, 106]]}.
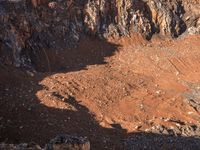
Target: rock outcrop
{"points": [[29, 26], [64, 142]]}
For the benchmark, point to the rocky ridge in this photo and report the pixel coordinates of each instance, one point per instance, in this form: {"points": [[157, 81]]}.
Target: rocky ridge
{"points": [[41, 25]]}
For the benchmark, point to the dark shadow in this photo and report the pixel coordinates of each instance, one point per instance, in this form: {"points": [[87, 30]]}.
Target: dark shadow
{"points": [[24, 119], [89, 51], [153, 141]]}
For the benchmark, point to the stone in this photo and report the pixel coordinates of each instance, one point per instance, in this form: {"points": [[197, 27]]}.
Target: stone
{"points": [[67, 142], [193, 30], [23, 146]]}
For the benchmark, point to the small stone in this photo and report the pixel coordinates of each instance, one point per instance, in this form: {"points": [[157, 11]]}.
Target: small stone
{"points": [[30, 73], [52, 5], [190, 112], [158, 92], [138, 127]]}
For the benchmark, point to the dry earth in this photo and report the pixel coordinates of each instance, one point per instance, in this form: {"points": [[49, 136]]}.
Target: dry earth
{"points": [[107, 91]]}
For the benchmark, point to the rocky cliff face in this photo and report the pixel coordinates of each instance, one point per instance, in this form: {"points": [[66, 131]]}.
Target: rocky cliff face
{"points": [[29, 26]]}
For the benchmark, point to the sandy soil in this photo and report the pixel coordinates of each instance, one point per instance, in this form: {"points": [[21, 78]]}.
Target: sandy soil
{"points": [[103, 90]]}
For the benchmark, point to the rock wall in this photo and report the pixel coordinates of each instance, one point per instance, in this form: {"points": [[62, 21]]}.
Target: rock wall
{"points": [[29, 26]]}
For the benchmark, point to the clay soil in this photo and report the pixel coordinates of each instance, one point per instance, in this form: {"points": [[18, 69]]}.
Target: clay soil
{"points": [[105, 90]]}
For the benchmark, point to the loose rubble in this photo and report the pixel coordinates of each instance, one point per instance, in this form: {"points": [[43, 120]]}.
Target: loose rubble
{"points": [[61, 142], [151, 141]]}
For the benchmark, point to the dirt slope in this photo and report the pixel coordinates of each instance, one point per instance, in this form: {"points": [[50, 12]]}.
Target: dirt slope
{"points": [[128, 87]]}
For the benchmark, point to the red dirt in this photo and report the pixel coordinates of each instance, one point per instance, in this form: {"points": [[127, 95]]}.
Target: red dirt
{"points": [[104, 98]]}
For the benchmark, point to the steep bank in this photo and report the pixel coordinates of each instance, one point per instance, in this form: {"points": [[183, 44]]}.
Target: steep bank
{"points": [[31, 29]]}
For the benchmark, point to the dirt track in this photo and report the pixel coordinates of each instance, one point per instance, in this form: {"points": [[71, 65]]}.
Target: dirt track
{"points": [[127, 86]]}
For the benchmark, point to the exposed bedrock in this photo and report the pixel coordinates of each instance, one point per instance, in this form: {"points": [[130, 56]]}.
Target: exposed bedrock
{"points": [[29, 27]]}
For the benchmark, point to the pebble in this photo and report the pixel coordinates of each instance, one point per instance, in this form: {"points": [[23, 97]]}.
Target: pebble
{"points": [[158, 92], [30, 73], [190, 112], [138, 127]]}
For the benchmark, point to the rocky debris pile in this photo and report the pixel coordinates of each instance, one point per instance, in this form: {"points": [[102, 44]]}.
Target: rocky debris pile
{"points": [[151, 141], [178, 130], [192, 19], [194, 30], [31, 27], [194, 102], [68, 142], [191, 15], [23, 146], [180, 135], [192, 97], [62, 142]]}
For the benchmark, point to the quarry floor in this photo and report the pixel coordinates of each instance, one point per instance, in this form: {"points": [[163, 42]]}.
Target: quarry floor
{"points": [[104, 90]]}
